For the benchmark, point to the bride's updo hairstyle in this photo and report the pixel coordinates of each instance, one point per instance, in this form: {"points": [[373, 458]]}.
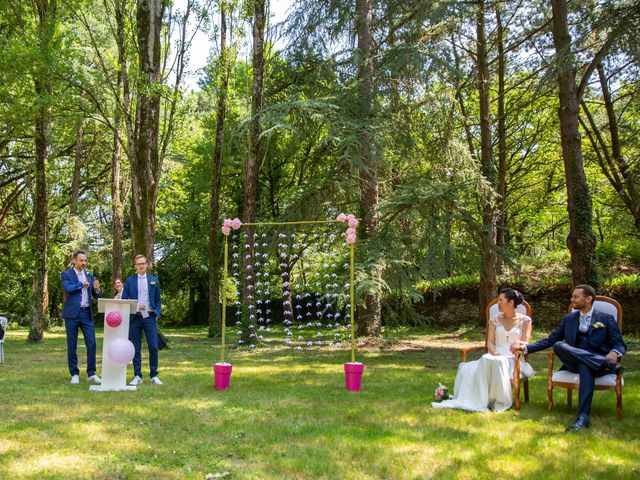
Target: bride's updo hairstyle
{"points": [[512, 295]]}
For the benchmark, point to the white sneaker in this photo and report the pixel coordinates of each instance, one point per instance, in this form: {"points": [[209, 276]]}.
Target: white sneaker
{"points": [[156, 381], [136, 381], [95, 379], [75, 380]]}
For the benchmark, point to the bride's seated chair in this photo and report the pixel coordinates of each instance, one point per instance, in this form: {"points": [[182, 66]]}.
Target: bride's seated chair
{"points": [[571, 381], [491, 311]]}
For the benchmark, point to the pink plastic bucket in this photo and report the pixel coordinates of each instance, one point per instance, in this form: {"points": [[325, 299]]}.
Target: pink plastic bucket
{"points": [[222, 375], [353, 376]]}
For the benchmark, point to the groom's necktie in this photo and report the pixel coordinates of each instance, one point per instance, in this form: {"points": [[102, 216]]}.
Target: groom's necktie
{"points": [[584, 323]]}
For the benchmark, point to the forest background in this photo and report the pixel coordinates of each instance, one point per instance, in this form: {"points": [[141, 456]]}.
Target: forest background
{"points": [[482, 144]]}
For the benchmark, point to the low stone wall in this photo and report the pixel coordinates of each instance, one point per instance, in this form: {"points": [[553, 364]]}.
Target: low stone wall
{"points": [[450, 308]]}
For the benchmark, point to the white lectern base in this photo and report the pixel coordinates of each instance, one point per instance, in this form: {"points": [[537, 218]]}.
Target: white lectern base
{"points": [[100, 388]]}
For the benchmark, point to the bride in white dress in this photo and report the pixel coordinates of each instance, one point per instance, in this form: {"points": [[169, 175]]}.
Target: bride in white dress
{"points": [[485, 384]]}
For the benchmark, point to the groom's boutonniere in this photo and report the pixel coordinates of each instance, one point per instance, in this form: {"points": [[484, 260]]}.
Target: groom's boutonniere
{"points": [[154, 283], [598, 325]]}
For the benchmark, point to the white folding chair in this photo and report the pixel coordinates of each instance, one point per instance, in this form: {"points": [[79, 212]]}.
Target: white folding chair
{"points": [[3, 322]]}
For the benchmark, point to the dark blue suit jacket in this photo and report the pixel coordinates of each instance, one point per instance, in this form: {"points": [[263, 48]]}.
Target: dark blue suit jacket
{"points": [[73, 287], [130, 291], [599, 340]]}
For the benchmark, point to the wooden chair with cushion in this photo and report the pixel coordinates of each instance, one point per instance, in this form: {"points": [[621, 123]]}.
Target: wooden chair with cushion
{"points": [[571, 381], [492, 310]]}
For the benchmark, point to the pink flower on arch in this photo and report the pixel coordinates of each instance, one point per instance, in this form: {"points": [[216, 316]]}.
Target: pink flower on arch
{"points": [[353, 222], [351, 231], [236, 223], [351, 239], [226, 230], [342, 218]]}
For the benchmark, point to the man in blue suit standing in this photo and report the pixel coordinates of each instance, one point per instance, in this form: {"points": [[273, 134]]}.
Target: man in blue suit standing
{"points": [[588, 342], [145, 288], [80, 288]]}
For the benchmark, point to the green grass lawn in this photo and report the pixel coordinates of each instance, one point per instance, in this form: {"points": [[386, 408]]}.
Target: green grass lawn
{"points": [[287, 415]]}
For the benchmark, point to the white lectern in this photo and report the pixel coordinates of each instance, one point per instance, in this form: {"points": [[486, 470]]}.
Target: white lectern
{"points": [[114, 376]]}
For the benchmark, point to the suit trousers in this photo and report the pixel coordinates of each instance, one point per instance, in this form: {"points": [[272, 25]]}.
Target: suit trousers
{"points": [[149, 325], [586, 364], [82, 322]]}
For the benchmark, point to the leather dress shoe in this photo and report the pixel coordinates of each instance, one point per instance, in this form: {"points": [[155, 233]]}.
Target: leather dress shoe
{"points": [[581, 423], [614, 367]]}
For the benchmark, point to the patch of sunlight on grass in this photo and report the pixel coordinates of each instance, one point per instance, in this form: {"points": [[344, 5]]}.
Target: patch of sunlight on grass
{"points": [[197, 405], [417, 461], [7, 446], [64, 464], [95, 432]]}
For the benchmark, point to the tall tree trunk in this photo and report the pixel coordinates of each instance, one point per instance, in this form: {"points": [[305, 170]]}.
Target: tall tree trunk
{"points": [[40, 302], [75, 183], [43, 89], [122, 108], [501, 230], [214, 232], [252, 165], [145, 163], [117, 209], [488, 282], [581, 241], [370, 317]]}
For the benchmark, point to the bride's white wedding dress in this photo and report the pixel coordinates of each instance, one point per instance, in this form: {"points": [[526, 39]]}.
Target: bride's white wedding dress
{"points": [[485, 384]]}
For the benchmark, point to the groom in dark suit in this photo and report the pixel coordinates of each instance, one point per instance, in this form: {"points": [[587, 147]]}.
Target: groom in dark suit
{"points": [[588, 342], [80, 288], [145, 288]]}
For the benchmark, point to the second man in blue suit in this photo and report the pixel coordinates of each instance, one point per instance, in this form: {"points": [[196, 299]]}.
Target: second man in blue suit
{"points": [[145, 288]]}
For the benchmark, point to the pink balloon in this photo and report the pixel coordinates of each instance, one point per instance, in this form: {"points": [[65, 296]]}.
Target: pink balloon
{"points": [[121, 351], [114, 319]]}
